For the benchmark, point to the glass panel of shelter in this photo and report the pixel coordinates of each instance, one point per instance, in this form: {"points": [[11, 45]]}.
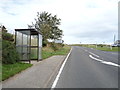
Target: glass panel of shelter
{"points": [[19, 43], [34, 40], [34, 51], [40, 47], [34, 47], [23, 44]]}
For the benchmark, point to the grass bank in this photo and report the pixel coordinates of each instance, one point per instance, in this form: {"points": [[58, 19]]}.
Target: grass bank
{"points": [[9, 70], [47, 51]]}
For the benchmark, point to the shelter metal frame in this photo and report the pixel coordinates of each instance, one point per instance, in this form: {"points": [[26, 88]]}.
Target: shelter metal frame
{"points": [[24, 45]]}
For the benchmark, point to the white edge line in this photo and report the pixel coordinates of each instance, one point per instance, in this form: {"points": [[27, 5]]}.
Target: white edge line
{"points": [[60, 71]]}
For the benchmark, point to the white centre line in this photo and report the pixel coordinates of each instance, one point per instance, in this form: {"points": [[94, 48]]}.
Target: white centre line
{"points": [[93, 54], [95, 58], [60, 71], [104, 62], [86, 50]]}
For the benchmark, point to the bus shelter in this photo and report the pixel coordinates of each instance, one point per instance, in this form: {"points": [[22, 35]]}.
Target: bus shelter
{"points": [[28, 44]]}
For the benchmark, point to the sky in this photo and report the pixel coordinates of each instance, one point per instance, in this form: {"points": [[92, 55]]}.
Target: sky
{"points": [[82, 21]]}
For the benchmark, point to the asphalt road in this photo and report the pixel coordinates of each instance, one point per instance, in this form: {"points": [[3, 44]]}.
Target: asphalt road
{"points": [[89, 68]]}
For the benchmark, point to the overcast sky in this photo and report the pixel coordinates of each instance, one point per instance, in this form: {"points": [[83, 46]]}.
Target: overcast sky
{"points": [[85, 21]]}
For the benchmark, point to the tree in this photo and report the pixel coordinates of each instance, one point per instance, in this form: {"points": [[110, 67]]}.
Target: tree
{"points": [[48, 26]]}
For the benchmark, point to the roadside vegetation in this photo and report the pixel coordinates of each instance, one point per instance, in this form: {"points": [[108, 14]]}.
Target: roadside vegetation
{"points": [[47, 51], [105, 48], [9, 53], [99, 47]]}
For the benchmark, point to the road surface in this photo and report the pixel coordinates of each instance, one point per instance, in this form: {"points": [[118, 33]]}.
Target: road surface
{"points": [[89, 68]]}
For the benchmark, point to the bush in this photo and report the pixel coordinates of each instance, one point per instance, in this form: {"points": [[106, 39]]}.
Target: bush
{"points": [[9, 53], [54, 46], [44, 43], [100, 45], [7, 36]]}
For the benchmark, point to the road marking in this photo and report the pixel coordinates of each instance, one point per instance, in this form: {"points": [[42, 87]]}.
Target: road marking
{"points": [[60, 71], [111, 63], [86, 50], [104, 62], [95, 58], [93, 54]]}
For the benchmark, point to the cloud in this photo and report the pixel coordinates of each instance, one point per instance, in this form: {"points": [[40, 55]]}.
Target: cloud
{"points": [[80, 18]]}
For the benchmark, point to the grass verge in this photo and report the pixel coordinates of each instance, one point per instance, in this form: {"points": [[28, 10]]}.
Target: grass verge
{"points": [[47, 51], [108, 48], [104, 48], [9, 70]]}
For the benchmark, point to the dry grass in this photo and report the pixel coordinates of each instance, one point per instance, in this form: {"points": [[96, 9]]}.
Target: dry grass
{"points": [[47, 51]]}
